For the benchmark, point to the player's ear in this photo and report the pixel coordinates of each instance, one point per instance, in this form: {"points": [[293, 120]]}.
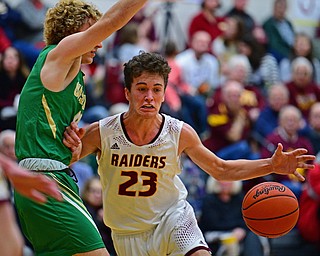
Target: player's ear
{"points": [[126, 93]]}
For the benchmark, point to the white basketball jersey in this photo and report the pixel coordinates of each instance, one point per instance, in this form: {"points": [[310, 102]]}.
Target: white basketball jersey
{"points": [[140, 183]]}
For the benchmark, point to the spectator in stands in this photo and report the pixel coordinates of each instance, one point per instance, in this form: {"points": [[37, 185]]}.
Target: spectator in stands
{"points": [[147, 31], [303, 91], [238, 9], [92, 198], [279, 31], [207, 20], [303, 47], [129, 44], [113, 85], [13, 74], [287, 133], [225, 45], [33, 13], [264, 66], [7, 140], [10, 21], [180, 100], [176, 87], [268, 120], [312, 130], [230, 125], [200, 69], [221, 219], [23, 25], [252, 98]]}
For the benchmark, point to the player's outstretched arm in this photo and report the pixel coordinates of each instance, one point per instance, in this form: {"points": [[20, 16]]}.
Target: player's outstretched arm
{"points": [[113, 19], [33, 185], [281, 162]]}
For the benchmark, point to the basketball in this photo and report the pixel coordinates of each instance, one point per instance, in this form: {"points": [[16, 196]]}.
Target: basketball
{"points": [[270, 209]]}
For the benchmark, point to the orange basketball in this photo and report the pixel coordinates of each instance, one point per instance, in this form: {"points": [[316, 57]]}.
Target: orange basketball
{"points": [[270, 209]]}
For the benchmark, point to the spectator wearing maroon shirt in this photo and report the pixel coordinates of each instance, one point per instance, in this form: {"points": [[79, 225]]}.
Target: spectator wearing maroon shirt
{"points": [[229, 125], [304, 92], [206, 20], [287, 133], [238, 69]]}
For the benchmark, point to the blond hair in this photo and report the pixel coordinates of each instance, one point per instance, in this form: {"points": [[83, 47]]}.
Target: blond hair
{"points": [[66, 18]]}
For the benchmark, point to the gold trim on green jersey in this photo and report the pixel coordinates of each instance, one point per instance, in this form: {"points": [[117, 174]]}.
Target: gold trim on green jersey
{"points": [[71, 197], [49, 116]]}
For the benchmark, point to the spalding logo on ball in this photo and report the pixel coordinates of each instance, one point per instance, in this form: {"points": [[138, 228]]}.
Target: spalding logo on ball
{"points": [[270, 209]]}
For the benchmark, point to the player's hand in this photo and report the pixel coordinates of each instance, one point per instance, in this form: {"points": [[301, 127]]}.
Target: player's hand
{"points": [[33, 185], [288, 162], [72, 140]]}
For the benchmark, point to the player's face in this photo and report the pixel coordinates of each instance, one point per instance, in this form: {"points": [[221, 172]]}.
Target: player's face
{"points": [[147, 94], [87, 58]]}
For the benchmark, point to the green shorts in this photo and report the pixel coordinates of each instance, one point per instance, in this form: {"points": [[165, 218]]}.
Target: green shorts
{"points": [[59, 228]]}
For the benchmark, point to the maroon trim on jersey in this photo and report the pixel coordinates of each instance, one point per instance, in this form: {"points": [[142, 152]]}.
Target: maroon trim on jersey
{"points": [[127, 136]]}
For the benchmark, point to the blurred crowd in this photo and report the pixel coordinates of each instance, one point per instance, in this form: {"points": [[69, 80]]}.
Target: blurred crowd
{"points": [[243, 86]]}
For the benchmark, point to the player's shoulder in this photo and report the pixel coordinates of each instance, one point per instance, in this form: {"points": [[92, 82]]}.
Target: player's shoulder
{"points": [[110, 126], [110, 121], [172, 124]]}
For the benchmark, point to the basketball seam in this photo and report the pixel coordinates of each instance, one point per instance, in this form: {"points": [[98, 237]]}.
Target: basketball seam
{"points": [[243, 209], [272, 218]]}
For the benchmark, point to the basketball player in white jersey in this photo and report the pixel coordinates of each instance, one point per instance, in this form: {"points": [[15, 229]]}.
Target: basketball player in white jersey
{"points": [[139, 154]]}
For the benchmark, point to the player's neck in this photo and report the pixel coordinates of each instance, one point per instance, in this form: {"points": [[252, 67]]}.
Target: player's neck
{"points": [[142, 131]]}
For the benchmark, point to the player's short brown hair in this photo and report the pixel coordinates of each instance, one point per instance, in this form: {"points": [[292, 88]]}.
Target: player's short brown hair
{"points": [[152, 63]]}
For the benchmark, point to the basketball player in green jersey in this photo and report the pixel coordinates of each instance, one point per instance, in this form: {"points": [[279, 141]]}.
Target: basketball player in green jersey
{"points": [[139, 162], [53, 97]]}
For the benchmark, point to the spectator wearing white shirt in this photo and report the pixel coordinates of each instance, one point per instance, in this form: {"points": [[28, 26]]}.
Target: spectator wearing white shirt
{"points": [[199, 67]]}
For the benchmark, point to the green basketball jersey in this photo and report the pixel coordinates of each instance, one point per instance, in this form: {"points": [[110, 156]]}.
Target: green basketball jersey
{"points": [[43, 115]]}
